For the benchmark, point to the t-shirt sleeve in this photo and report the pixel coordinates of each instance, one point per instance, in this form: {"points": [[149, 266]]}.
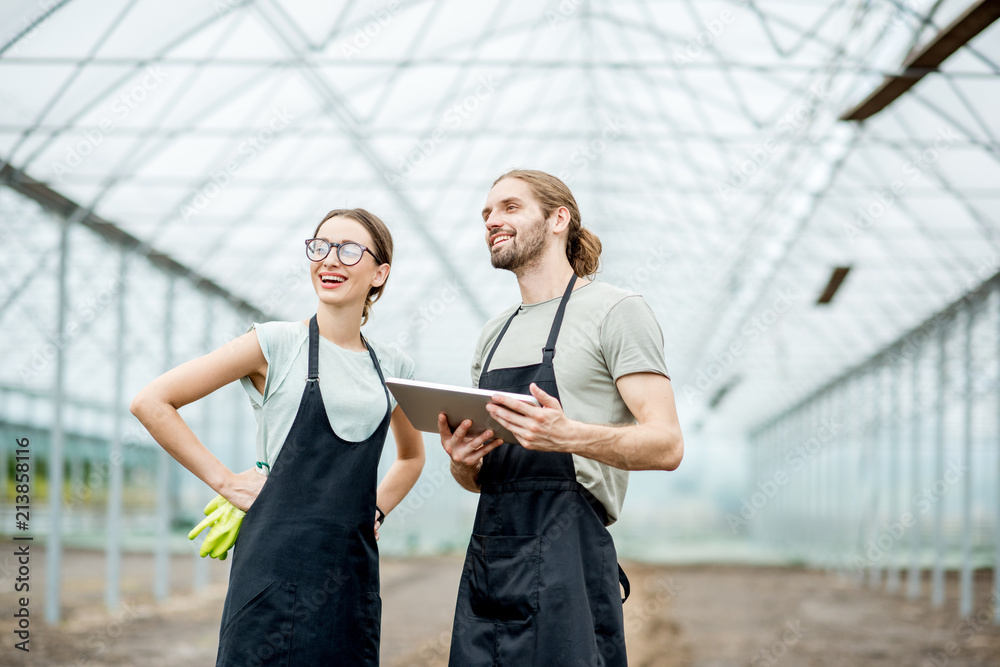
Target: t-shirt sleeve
{"points": [[406, 366], [255, 396], [631, 339], [477, 359], [278, 343]]}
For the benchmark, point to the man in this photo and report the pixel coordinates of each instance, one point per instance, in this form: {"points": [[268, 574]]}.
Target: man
{"points": [[541, 581]]}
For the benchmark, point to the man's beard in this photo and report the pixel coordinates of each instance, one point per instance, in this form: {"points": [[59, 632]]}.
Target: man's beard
{"points": [[523, 249]]}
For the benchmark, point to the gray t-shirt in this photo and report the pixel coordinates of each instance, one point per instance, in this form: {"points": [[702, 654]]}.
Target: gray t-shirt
{"points": [[353, 396], [606, 333]]}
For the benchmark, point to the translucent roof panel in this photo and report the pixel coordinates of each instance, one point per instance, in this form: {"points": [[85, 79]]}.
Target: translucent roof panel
{"points": [[701, 139]]}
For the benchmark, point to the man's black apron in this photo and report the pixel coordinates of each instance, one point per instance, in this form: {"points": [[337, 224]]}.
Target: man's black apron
{"points": [[304, 586], [541, 577]]}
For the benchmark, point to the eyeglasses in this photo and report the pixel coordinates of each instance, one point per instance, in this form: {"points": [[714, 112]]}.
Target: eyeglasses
{"points": [[349, 252]]}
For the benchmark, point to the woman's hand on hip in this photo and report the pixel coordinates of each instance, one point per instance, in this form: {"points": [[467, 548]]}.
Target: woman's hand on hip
{"points": [[242, 488]]}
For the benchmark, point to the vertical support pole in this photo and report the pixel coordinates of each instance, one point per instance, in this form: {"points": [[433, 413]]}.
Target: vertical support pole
{"points": [[804, 504], [916, 409], [851, 482], [768, 513], [113, 549], [840, 489], [775, 514], [996, 526], [755, 442], [53, 578], [814, 448], [893, 482], [161, 582], [965, 585], [200, 564], [4, 439], [875, 477], [937, 577]]}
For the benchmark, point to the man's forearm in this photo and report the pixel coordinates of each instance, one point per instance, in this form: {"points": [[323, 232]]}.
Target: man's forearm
{"points": [[467, 476], [629, 447]]}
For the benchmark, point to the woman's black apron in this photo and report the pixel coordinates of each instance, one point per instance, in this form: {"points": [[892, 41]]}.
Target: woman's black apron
{"points": [[541, 579], [304, 586]]}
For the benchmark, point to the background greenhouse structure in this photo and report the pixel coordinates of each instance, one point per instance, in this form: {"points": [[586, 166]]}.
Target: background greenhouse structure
{"points": [[806, 193]]}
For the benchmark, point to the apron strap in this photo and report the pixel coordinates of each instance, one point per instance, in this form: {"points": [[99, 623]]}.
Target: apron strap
{"points": [[549, 350], [378, 369], [313, 350], [623, 580], [314, 360], [496, 343]]}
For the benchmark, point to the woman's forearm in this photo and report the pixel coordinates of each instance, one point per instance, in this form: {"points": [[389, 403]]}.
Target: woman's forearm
{"points": [[398, 481], [172, 433]]}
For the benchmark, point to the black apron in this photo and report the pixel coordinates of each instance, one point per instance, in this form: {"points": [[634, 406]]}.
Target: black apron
{"points": [[304, 586], [541, 577]]}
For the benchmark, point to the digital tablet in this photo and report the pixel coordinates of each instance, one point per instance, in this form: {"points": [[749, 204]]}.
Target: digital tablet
{"points": [[423, 401]]}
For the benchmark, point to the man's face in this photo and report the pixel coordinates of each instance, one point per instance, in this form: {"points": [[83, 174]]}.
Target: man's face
{"points": [[516, 230]]}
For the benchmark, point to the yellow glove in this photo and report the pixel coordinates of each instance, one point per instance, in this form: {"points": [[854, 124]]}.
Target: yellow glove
{"points": [[225, 519]]}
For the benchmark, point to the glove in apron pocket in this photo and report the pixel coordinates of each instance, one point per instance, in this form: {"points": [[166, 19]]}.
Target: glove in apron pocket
{"points": [[260, 633], [504, 577]]}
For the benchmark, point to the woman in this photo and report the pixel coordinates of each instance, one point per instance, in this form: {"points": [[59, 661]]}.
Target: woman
{"points": [[303, 588]]}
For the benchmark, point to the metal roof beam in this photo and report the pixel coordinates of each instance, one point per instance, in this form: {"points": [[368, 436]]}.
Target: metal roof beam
{"points": [[289, 36], [37, 191], [972, 21]]}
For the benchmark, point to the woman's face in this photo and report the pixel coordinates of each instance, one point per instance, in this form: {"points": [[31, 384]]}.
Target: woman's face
{"points": [[337, 284]]}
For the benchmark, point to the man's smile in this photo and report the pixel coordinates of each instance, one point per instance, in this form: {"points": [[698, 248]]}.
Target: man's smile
{"points": [[500, 238]]}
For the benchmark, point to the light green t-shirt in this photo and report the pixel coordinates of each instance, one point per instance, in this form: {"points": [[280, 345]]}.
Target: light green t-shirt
{"points": [[352, 393], [606, 333]]}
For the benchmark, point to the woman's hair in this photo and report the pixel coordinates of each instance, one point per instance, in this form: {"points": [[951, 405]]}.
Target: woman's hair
{"points": [[381, 245], [583, 248]]}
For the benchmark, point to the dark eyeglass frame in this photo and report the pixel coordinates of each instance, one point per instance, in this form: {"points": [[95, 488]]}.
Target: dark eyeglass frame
{"points": [[338, 246]]}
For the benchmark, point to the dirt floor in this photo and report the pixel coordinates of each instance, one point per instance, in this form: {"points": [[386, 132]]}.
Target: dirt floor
{"points": [[677, 616]]}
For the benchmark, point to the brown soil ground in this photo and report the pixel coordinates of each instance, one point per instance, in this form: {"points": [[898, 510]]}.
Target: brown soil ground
{"points": [[701, 616]]}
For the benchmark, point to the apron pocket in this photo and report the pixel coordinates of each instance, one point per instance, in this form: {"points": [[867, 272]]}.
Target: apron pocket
{"points": [[503, 577], [260, 633]]}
